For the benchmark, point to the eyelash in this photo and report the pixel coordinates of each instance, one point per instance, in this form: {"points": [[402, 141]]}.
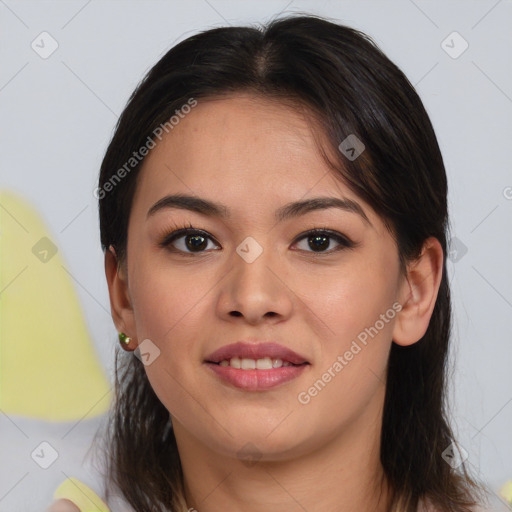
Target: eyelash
{"points": [[183, 230]]}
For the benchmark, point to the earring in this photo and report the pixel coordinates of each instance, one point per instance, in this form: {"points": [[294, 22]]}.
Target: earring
{"points": [[125, 341]]}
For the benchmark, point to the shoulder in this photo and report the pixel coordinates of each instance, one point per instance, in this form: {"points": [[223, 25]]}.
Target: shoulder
{"points": [[72, 495], [62, 506]]}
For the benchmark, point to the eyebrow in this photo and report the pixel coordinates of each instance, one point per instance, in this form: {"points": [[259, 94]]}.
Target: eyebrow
{"points": [[289, 210]]}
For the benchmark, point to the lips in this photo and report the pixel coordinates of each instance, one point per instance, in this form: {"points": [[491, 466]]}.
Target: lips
{"points": [[253, 366], [245, 350]]}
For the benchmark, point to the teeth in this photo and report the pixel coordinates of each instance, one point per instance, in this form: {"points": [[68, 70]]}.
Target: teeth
{"points": [[248, 364], [266, 363]]}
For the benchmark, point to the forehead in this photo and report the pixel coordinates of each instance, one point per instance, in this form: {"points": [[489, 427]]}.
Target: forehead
{"points": [[242, 150], [238, 133]]}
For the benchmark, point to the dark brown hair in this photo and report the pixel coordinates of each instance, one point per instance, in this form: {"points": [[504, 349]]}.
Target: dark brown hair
{"points": [[349, 86]]}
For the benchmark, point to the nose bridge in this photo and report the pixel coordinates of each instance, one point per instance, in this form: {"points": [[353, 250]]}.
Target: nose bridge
{"points": [[252, 263], [254, 288]]}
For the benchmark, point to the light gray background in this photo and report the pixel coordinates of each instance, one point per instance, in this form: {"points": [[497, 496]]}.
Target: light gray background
{"points": [[57, 116]]}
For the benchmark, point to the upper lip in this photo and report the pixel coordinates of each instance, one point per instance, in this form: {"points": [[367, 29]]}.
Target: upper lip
{"points": [[243, 349]]}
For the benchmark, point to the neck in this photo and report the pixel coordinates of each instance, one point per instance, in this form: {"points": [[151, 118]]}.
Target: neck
{"points": [[344, 474]]}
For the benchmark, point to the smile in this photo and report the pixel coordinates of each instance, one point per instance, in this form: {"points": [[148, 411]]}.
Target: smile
{"points": [[264, 363], [249, 377]]}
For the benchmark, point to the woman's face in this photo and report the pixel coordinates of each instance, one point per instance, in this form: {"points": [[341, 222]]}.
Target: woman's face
{"points": [[256, 276]]}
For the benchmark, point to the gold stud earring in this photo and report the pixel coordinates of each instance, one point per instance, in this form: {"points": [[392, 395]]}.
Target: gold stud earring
{"points": [[124, 341]]}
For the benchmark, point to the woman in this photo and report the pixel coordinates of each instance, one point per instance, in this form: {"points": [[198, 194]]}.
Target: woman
{"points": [[273, 211]]}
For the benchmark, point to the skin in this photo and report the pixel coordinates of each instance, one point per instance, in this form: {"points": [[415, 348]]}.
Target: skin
{"points": [[63, 506], [254, 155]]}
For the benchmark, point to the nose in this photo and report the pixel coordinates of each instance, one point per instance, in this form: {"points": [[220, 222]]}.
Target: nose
{"points": [[256, 290]]}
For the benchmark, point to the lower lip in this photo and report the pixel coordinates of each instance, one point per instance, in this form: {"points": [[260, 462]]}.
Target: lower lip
{"points": [[254, 380]]}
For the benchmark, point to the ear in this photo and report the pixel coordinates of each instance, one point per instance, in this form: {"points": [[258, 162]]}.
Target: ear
{"points": [[418, 294], [120, 302]]}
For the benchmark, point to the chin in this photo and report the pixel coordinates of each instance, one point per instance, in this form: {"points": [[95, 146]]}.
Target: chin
{"points": [[252, 443]]}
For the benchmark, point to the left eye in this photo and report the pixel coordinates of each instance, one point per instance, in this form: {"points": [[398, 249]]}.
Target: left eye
{"points": [[196, 241], [319, 240]]}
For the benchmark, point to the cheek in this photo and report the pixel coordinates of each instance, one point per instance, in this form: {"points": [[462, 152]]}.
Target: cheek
{"points": [[169, 311], [352, 359], [357, 318], [344, 301], [166, 300]]}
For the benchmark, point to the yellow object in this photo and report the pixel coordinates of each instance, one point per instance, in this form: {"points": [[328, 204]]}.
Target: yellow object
{"points": [[48, 367], [506, 492], [80, 495]]}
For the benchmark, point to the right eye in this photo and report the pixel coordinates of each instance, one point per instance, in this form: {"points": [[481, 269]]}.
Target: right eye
{"points": [[187, 241]]}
